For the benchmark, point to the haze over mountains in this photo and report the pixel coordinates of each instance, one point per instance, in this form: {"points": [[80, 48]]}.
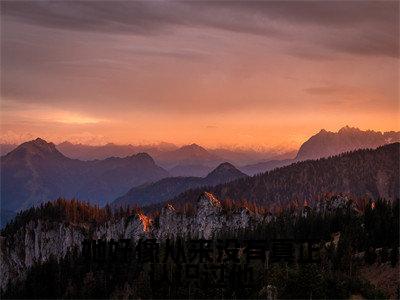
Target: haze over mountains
{"points": [[194, 160], [362, 173], [168, 188], [188, 160], [37, 171], [327, 143]]}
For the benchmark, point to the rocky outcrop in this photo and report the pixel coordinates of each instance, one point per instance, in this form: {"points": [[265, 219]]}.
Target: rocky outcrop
{"points": [[36, 242], [39, 240], [209, 219]]}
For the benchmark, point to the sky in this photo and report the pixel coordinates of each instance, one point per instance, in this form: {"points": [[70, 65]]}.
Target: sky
{"points": [[217, 73]]}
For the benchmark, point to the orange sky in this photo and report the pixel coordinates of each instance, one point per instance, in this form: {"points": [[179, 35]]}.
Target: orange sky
{"points": [[268, 74]]}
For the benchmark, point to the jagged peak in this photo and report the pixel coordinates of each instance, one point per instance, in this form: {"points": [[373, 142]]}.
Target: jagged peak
{"points": [[348, 129], [345, 129], [40, 141]]}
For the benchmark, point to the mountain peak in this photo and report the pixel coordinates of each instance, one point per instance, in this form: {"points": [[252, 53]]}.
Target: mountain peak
{"points": [[348, 129], [226, 171], [144, 156], [41, 144], [326, 143], [38, 147], [193, 147], [40, 141], [225, 167]]}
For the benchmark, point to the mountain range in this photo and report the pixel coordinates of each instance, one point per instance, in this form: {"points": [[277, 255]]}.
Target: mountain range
{"points": [[195, 160], [370, 173], [188, 160], [326, 143], [168, 188], [36, 171]]}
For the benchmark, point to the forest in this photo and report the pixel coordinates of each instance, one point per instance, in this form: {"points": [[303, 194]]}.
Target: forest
{"points": [[362, 173], [351, 240]]}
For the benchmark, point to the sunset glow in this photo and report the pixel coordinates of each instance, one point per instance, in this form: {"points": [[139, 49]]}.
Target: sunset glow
{"points": [[272, 80]]}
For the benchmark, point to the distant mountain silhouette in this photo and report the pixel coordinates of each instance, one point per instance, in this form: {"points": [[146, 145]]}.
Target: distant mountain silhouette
{"points": [[263, 167], [170, 187], [87, 152], [188, 155], [190, 170], [326, 143], [362, 173], [225, 172], [36, 171], [188, 160]]}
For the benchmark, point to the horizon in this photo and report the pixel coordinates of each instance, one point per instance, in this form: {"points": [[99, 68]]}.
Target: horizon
{"points": [[171, 146], [151, 72], [166, 144]]}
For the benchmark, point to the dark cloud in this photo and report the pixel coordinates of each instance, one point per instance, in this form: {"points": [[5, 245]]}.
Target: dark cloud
{"points": [[175, 56], [322, 13], [373, 25], [103, 16]]}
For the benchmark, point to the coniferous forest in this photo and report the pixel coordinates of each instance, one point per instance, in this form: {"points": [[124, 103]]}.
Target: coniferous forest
{"points": [[352, 241]]}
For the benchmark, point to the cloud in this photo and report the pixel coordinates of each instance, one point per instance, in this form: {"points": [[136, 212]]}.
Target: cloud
{"points": [[163, 66], [365, 27], [331, 90]]}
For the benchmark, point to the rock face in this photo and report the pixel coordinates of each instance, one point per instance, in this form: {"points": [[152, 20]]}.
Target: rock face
{"points": [[36, 242], [39, 240], [209, 219]]}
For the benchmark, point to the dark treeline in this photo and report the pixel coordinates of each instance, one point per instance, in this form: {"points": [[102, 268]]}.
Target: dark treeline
{"points": [[372, 231], [67, 211]]}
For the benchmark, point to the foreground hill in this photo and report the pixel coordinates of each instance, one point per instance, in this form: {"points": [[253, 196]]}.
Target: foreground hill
{"points": [[36, 172], [168, 188], [41, 250], [326, 143], [362, 173]]}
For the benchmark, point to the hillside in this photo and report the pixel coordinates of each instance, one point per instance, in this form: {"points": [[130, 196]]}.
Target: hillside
{"points": [[168, 188], [53, 233], [362, 173]]}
